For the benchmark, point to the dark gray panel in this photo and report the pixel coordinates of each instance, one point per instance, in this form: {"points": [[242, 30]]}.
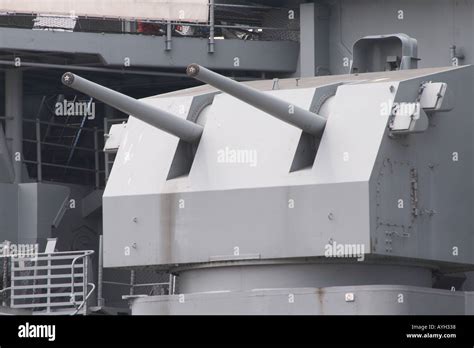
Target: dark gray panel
{"points": [[9, 212], [437, 26], [149, 51]]}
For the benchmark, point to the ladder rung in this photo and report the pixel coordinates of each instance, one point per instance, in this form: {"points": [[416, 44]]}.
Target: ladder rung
{"points": [[60, 311], [52, 276], [62, 294], [46, 286], [43, 305], [40, 268], [44, 258]]}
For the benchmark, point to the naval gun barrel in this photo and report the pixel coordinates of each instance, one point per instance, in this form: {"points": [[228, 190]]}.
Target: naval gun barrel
{"points": [[183, 129], [308, 121]]}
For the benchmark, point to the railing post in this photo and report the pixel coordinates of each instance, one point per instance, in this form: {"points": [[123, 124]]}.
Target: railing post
{"points": [[132, 283], [48, 282], [100, 274], [96, 158], [5, 273], [172, 284], [38, 151], [168, 36], [106, 155], [211, 26], [85, 282]]}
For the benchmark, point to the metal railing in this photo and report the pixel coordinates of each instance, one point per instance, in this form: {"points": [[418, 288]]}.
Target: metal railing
{"points": [[84, 258], [158, 288], [236, 18], [168, 287], [50, 283], [41, 144]]}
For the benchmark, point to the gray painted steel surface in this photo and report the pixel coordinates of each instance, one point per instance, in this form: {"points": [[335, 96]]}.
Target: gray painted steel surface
{"points": [[7, 175], [233, 226], [149, 51], [348, 182], [368, 300], [14, 121]]}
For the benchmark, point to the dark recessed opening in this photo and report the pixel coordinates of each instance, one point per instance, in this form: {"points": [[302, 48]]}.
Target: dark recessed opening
{"points": [[308, 145], [184, 156]]}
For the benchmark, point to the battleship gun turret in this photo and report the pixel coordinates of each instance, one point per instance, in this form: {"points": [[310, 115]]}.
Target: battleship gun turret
{"points": [[185, 130], [308, 121], [258, 214]]}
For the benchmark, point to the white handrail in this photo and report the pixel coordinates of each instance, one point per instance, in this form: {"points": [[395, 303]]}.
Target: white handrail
{"points": [[73, 257], [85, 299], [86, 253]]}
